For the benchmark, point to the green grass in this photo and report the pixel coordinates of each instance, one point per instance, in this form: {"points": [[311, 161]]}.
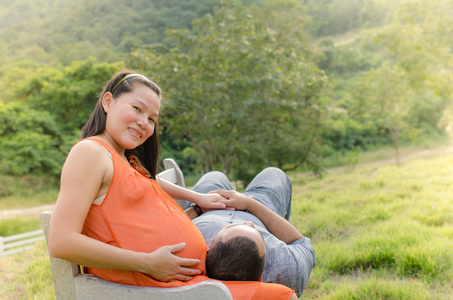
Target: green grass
{"points": [[19, 225], [27, 275], [380, 232], [407, 150], [27, 191], [42, 198]]}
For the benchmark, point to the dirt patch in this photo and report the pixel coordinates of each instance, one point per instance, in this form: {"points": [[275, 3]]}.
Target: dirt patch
{"points": [[24, 212]]}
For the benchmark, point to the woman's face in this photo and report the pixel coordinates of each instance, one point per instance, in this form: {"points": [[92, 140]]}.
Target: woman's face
{"points": [[131, 117]]}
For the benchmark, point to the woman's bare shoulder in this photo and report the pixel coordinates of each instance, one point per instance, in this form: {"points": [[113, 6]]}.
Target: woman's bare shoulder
{"points": [[88, 147], [88, 153]]}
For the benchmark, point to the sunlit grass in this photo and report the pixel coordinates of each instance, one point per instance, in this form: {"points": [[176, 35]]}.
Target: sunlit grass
{"points": [[27, 275], [383, 232], [27, 191], [42, 198], [434, 145], [14, 226]]}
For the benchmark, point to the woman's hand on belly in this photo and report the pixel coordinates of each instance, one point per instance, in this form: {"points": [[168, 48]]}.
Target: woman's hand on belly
{"points": [[164, 266]]}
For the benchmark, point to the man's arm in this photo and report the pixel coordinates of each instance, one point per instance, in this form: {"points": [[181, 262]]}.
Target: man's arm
{"points": [[278, 226]]}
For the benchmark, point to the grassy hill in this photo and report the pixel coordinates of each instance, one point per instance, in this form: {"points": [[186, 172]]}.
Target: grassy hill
{"points": [[380, 232]]}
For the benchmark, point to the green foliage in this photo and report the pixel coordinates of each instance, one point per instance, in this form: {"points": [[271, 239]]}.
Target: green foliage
{"points": [[387, 98], [106, 29], [333, 17], [390, 80], [249, 73], [181, 152], [343, 133], [418, 40], [244, 90], [68, 94], [395, 92], [40, 127], [349, 60], [29, 140]]}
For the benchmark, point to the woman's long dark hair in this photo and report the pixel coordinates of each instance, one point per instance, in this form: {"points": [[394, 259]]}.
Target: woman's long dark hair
{"points": [[148, 152]]}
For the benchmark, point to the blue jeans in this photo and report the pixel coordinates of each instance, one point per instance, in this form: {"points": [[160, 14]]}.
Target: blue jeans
{"points": [[271, 187]]}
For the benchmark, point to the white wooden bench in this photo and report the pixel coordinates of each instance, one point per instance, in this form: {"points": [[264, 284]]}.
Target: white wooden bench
{"points": [[71, 284]]}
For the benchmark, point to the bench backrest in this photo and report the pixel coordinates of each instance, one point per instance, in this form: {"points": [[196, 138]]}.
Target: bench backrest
{"points": [[71, 284]]}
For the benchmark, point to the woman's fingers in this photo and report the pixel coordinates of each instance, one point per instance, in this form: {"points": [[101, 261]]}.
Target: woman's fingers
{"points": [[167, 266], [189, 271], [176, 248], [223, 193], [218, 205], [183, 277], [189, 262]]}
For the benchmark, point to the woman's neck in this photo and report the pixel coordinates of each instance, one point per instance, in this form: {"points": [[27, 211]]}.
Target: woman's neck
{"points": [[111, 142]]}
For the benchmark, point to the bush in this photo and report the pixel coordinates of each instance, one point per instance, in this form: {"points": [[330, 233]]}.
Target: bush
{"points": [[29, 140]]}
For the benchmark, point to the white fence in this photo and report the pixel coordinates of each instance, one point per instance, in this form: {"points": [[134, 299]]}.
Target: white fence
{"points": [[19, 242]]}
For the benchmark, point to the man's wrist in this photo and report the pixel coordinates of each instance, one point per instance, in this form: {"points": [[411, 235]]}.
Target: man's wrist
{"points": [[191, 213], [197, 209]]}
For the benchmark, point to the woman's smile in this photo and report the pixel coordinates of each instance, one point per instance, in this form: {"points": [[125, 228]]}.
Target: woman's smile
{"points": [[135, 132]]}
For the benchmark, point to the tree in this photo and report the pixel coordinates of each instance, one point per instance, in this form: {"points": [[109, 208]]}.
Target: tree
{"points": [[418, 43], [244, 87], [69, 94], [30, 141], [43, 122], [388, 99]]}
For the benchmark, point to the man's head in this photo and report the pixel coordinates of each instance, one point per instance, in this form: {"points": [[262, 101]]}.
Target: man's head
{"points": [[237, 253]]}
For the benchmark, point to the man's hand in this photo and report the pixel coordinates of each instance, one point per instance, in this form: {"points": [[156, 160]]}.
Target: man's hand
{"points": [[278, 226], [235, 199], [163, 265], [211, 201]]}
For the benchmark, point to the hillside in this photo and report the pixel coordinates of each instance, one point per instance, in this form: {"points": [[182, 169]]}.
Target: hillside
{"points": [[344, 55], [56, 31]]}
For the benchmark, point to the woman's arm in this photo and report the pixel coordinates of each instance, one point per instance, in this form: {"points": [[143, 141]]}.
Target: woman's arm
{"points": [[82, 176], [211, 201]]}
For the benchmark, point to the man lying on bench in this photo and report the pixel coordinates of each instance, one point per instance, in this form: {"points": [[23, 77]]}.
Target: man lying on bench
{"points": [[257, 230]]}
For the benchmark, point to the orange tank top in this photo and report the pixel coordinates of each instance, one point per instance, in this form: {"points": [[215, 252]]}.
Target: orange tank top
{"points": [[138, 215]]}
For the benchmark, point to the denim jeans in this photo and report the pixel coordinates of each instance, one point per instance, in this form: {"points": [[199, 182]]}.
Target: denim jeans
{"points": [[271, 187]]}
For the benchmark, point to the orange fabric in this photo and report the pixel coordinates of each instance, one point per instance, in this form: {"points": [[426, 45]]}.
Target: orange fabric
{"points": [[257, 290], [137, 214]]}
